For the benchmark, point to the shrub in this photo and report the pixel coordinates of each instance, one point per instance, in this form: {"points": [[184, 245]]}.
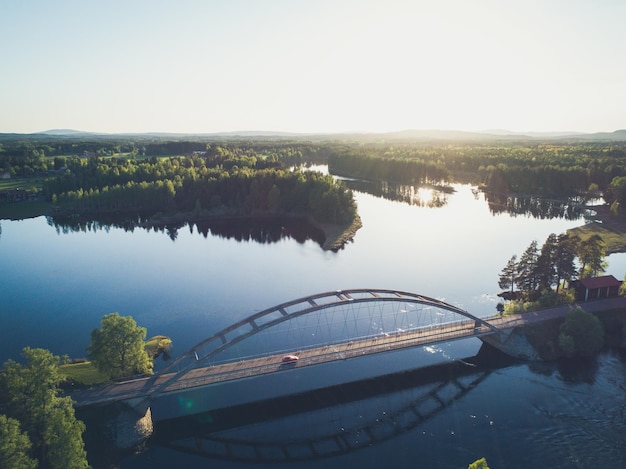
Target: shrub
{"points": [[581, 334]]}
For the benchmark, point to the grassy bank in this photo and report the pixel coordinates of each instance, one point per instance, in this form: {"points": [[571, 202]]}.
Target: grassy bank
{"points": [[84, 373], [611, 229]]}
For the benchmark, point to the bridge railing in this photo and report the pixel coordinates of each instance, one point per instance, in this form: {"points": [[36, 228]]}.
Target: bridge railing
{"points": [[324, 318]]}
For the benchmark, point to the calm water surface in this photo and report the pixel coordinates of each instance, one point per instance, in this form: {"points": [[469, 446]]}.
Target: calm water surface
{"points": [[55, 287], [568, 415]]}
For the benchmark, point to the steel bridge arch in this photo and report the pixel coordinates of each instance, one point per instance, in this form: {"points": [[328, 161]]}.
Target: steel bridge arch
{"points": [[267, 318]]}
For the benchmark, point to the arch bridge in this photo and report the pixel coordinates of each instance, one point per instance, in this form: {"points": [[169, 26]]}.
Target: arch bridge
{"points": [[379, 318]]}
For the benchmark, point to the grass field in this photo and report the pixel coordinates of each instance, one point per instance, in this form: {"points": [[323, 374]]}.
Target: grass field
{"points": [[86, 374], [615, 240], [83, 373], [27, 209], [612, 229], [22, 183]]}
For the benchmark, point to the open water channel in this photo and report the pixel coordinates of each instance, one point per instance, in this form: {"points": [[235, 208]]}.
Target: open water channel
{"points": [[56, 282]]}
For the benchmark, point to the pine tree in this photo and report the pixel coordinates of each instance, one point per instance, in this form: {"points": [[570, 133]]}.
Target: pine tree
{"points": [[527, 269], [508, 276]]}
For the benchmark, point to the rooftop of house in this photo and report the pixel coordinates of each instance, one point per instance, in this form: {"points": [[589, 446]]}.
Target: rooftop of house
{"points": [[599, 282]]}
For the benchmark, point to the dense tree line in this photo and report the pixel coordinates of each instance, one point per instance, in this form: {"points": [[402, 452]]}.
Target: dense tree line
{"points": [[24, 164], [24, 157], [538, 270], [547, 169], [564, 169], [215, 183], [403, 170]]}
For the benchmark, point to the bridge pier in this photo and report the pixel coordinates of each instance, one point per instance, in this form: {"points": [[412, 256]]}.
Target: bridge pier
{"points": [[132, 427], [121, 425], [512, 343]]}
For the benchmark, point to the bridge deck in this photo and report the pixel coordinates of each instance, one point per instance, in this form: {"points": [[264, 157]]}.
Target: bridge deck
{"points": [[269, 364], [142, 387]]}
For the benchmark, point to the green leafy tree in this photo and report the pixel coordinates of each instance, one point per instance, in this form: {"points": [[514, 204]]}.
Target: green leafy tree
{"points": [[15, 446], [581, 334], [31, 388], [117, 348], [616, 191], [31, 393], [63, 436], [593, 191]]}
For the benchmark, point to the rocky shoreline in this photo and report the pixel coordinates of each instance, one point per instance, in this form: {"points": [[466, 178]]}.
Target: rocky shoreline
{"points": [[337, 236]]}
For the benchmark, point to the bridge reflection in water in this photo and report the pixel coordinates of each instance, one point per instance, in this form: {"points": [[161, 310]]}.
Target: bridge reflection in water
{"points": [[329, 422]]}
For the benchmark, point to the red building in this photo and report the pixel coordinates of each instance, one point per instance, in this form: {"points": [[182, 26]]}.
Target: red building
{"points": [[594, 288]]}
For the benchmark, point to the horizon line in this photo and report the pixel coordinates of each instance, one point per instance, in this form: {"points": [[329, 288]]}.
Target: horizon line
{"points": [[492, 131]]}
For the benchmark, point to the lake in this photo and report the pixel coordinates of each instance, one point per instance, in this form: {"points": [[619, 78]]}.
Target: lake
{"points": [[57, 283], [517, 415]]}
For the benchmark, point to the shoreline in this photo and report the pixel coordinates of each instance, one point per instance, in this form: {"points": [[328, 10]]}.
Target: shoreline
{"points": [[336, 236]]}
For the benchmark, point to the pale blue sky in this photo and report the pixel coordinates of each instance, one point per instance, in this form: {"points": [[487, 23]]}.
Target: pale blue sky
{"points": [[315, 66]]}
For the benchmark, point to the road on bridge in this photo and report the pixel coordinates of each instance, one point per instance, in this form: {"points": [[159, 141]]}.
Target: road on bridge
{"points": [[142, 387]]}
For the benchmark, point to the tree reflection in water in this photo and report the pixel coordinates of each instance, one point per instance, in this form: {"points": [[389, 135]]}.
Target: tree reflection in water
{"points": [[262, 230], [249, 433], [422, 196], [572, 208]]}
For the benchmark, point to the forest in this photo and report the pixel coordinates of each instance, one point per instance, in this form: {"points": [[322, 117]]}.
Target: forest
{"points": [[532, 168], [248, 176], [198, 185]]}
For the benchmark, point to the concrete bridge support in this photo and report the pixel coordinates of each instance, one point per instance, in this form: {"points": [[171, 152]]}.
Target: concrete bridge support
{"points": [[121, 425], [512, 342]]}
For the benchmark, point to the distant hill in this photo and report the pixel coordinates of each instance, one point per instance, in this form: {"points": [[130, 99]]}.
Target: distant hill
{"points": [[618, 135], [435, 135], [64, 132], [504, 132], [500, 134]]}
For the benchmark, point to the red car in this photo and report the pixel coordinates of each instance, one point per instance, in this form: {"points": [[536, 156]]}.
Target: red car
{"points": [[290, 359]]}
